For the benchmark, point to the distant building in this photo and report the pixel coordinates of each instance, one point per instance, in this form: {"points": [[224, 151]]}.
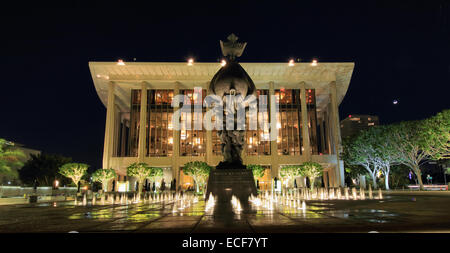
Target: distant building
{"points": [[354, 123]]}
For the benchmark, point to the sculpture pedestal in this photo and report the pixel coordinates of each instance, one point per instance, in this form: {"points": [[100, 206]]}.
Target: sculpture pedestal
{"points": [[225, 183]]}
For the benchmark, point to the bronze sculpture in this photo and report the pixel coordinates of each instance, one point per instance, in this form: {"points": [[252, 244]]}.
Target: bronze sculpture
{"points": [[232, 84]]}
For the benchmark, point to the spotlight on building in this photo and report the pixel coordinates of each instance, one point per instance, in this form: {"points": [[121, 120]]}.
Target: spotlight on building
{"points": [[190, 62], [314, 63], [120, 62], [291, 63], [223, 63]]}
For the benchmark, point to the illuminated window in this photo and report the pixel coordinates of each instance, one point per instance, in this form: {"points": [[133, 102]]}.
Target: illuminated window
{"points": [[258, 141], [159, 140], [289, 122], [371, 124], [192, 142]]}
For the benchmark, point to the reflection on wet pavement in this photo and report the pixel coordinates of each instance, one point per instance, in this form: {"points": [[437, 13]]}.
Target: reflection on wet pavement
{"points": [[169, 216]]}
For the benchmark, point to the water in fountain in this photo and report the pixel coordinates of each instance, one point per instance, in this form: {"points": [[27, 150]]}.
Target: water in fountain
{"points": [[174, 207], [370, 192], [111, 199], [102, 199], [117, 199], [303, 207], [346, 193], [362, 194], [93, 199], [84, 200], [380, 195], [354, 193], [338, 194], [210, 203], [75, 202]]}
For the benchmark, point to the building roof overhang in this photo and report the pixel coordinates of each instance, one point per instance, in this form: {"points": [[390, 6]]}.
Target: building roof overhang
{"points": [[164, 75]]}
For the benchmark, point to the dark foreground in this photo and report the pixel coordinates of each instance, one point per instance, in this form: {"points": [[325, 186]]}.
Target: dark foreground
{"points": [[395, 213]]}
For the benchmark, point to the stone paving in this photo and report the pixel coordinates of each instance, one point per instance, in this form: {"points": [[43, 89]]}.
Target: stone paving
{"points": [[395, 213]]}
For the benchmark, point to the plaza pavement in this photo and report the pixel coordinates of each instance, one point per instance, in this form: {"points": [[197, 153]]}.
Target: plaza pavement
{"points": [[397, 212]]}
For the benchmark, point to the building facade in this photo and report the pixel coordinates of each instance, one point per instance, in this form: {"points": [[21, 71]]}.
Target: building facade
{"points": [[355, 123], [138, 99]]}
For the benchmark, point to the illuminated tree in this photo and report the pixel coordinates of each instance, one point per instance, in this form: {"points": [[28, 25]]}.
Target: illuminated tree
{"points": [[140, 171], [311, 170], [360, 151], [257, 170], [43, 168], [438, 135], [199, 171], [9, 157], [289, 172], [386, 155], [155, 174], [104, 176], [74, 171], [420, 141]]}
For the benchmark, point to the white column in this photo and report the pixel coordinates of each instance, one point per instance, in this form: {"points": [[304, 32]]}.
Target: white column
{"points": [[176, 143], [209, 143], [142, 124], [273, 132], [322, 135], [336, 132], [325, 179], [115, 151], [109, 127], [331, 177], [305, 128]]}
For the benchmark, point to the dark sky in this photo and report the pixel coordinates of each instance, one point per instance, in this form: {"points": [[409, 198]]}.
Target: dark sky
{"points": [[48, 101]]}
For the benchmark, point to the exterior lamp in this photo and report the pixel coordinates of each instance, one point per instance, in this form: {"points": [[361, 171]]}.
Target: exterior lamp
{"points": [[314, 63], [120, 62], [223, 63], [190, 62], [291, 63]]}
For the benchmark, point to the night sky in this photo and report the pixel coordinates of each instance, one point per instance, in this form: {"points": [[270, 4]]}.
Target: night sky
{"points": [[48, 101]]}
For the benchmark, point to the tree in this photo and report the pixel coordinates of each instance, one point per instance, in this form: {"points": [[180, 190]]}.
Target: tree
{"points": [[199, 171], [289, 172], [141, 171], [359, 151], [257, 170], [104, 176], [9, 157], [399, 176], [438, 135], [312, 170], [385, 153], [43, 168], [155, 174], [413, 143], [74, 171]]}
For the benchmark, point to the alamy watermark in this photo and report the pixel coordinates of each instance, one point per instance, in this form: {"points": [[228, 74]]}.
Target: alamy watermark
{"points": [[228, 111]]}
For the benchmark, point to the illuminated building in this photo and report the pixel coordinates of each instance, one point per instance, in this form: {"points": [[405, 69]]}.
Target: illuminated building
{"points": [[138, 99], [353, 124]]}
